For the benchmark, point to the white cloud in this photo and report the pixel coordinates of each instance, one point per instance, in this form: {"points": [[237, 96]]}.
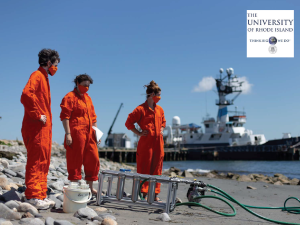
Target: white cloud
{"points": [[246, 86], [206, 84]]}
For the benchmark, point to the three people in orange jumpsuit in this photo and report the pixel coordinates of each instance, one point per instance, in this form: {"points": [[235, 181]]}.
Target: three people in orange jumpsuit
{"points": [[37, 128], [78, 116], [150, 150]]}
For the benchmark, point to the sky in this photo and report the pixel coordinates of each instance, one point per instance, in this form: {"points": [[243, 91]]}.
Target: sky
{"points": [[123, 45]]}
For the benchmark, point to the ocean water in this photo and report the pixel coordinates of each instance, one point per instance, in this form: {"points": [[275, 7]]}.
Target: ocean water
{"points": [[290, 169]]}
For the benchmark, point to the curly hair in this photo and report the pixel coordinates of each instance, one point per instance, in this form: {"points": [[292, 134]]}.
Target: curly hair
{"points": [[82, 77], [152, 87], [48, 54]]}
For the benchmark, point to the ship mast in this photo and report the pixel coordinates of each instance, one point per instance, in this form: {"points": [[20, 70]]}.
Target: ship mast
{"points": [[226, 85]]}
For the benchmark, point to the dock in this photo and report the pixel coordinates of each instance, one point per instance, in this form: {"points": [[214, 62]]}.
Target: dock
{"points": [[123, 155], [246, 152]]}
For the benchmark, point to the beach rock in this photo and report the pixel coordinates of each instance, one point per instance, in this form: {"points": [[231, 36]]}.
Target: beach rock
{"points": [[178, 200], [12, 204], [10, 195], [21, 175], [30, 221], [175, 170], [9, 172], [105, 215], [6, 223], [62, 222], [7, 213], [3, 182], [251, 176], [109, 221], [25, 207], [27, 215], [250, 187], [279, 175], [222, 175], [85, 213], [295, 181], [210, 175], [58, 203], [173, 174], [100, 210], [244, 178], [60, 197], [230, 175], [164, 217], [11, 185], [97, 218], [187, 174], [266, 186], [49, 221], [58, 185], [235, 177], [278, 183], [17, 168], [18, 180], [4, 163]]}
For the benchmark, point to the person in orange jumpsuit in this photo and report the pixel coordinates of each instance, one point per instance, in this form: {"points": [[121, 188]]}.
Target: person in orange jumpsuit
{"points": [[150, 150], [37, 129], [78, 116]]}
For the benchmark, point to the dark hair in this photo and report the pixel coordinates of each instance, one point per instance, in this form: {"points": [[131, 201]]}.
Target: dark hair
{"points": [[152, 87], [82, 77], [48, 54]]}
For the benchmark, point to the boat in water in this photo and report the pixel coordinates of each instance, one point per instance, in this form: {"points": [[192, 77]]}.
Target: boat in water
{"points": [[226, 130]]}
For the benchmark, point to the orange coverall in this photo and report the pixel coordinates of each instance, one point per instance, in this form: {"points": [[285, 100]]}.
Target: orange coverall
{"points": [[37, 136], [150, 149], [80, 112]]}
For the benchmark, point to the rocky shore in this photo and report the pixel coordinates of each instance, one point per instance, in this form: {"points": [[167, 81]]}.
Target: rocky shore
{"points": [[13, 209]]}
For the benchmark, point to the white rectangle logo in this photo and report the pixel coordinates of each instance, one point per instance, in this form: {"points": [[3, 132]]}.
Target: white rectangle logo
{"points": [[270, 33]]}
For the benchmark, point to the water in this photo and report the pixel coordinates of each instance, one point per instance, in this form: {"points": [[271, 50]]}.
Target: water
{"points": [[287, 168]]}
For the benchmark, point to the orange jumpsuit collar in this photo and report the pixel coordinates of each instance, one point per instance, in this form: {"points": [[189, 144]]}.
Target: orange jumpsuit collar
{"points": [[43, 71]]}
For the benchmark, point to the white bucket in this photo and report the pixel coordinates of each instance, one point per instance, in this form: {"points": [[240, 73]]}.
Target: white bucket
{"points": [[75, 199]]}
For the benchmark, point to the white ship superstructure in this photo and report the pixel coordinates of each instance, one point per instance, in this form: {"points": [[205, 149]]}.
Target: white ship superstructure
{"points": [[226, 130]]}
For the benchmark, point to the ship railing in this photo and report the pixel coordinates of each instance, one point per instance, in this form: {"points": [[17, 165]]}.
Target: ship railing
{"points": [[225, 102]]}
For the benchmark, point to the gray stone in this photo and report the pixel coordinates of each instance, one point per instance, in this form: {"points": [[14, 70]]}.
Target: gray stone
{"points": [[30, 221], [52, 178], [98, 218], [62, 222], [187, 174], [106, 215], [58, 203], [60, 197], [7, 213], [60, 170], [5, 223], [4, 163], [21, 175], [51, 167], [86, 213], [49, 221], [9, 172], [164, 217], [3, 182], [18, 180], [12, 204], [17, 168], [57, 185], [24, 207]]}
